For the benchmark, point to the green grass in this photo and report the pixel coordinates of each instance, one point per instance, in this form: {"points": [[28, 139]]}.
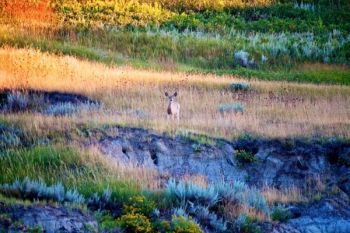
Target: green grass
{"points": [[196, 65], [332, 76], [61, 164]]}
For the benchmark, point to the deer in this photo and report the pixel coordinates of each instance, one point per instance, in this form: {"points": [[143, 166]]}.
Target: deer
{"points": [[173, 107]]}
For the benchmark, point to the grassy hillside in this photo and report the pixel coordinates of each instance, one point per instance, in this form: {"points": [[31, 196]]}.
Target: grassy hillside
{"points": [[255, 74], [137, 96], [49, 153], [191, 36]]}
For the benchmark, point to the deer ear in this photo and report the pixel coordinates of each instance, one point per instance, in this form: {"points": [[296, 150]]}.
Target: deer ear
{"points": [[166, 94], [175, 94]]}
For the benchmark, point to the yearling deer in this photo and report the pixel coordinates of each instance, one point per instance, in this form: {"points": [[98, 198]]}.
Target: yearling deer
{"points": [[173, 107]]}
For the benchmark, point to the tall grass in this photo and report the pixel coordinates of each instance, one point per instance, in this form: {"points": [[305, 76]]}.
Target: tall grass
{"points": [[195, 52], [86, 170], [276, 109]]}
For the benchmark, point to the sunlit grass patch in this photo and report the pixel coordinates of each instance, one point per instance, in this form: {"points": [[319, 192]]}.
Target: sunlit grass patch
{"points": [[274, 109]]}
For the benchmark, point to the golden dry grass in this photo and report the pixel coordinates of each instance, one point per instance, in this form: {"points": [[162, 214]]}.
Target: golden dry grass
{"points": [[231, 212], [143, 177], [285, 196], [272, 109]]}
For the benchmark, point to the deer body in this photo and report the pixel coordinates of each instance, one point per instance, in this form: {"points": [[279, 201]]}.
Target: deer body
{"points": [[173, 108]]}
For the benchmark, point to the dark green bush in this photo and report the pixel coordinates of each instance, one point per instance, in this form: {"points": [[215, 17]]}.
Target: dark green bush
{"points": [[246, 224], [280, 213], [244, 157], [182, 225], [240, 86]]}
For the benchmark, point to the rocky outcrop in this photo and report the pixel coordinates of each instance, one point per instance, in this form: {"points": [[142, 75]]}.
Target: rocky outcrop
{"points": [[49, 218], [279, 163], [327, 216]]}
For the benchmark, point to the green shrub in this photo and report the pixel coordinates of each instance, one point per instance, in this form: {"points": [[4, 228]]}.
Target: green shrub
{"points": [[139, 204], [280, 213], [9, 137], [344, 52], [35, 229], [134, 222], [37, 189], [244, 157], [197, 147], [245, 224], [182, 225], [106, 221], [231, 108], [199, 139], [162, 226], [240, 86]]}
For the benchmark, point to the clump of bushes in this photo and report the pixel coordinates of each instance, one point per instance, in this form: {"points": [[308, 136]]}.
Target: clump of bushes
{"points": [[242, 86], [139, 204], [134, 222], [62, 109], [280, 213], [178, 224], [244, 157], [199, 139], [246, 224], [181, 225], [10, 137], [231, 108], [200, 202], [37, 189], [241, 58], [17, 101]]}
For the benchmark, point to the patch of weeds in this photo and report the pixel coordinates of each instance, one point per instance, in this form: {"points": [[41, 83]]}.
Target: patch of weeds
{"points": [[200, 139], [139, 204], [15, 201], [231, 108], [181, 224], [244, 157], [344, 159], [197, 147], [5, 220], [62, 109], [186, 192], [35, 229], [317, 197], [37, 189], [139, 113], [10, 137], [240, 86], [18, 225], [17, 101], [89, 228], [246, 224], [208, 218], [280, 213], [335, 190], [161, 226], [135, 222], [106, 221], [288, 144], [245, 136]]}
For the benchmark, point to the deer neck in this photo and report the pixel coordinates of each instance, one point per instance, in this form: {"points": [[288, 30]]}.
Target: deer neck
{"points": [[169, 109]]}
